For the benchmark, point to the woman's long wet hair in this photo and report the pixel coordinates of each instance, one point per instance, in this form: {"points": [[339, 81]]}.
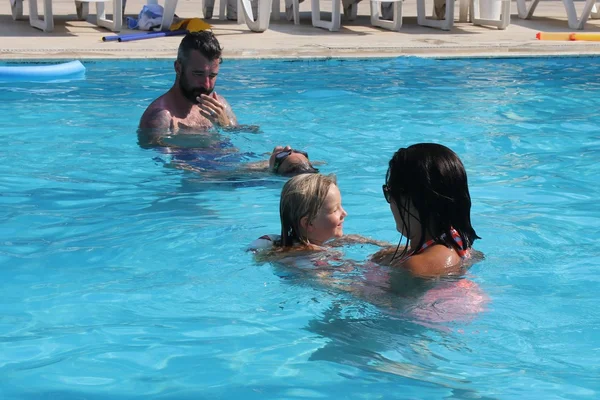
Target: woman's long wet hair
{"points": [[302, 196], [433, 178]]}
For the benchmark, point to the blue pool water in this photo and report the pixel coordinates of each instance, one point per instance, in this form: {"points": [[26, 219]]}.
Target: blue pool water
{"points": [[124, 279]]}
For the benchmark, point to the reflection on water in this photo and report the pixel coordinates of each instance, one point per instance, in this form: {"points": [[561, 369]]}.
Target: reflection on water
{"points": [[386, 320]]}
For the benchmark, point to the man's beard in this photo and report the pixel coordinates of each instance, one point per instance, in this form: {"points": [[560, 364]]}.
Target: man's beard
{"points": [[190, 92]]}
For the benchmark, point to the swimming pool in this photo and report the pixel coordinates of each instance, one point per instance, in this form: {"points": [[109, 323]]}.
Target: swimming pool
{"points": [[125, 279]]}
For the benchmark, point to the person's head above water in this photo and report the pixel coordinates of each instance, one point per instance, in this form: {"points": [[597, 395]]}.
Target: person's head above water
{"points": [[289, 162], [197, 64], [426, 186], [311, 210]]}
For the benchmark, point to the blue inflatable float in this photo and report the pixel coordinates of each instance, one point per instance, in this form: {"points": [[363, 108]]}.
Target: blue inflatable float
{"points": [[67, 70]]}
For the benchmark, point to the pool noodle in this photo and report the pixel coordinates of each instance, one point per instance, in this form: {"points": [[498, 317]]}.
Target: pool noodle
{"points": [[114, 38], [553, 36], [566, 36], [42, 71], [591, 37], [143, 36], [111, 38]]}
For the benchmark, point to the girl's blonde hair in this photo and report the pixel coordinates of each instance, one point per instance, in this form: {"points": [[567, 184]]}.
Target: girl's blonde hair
{"points": [[302, 196]]}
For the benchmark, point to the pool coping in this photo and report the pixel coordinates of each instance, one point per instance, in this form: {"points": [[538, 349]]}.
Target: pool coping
{"points": [[519, 50], [33, 57]]}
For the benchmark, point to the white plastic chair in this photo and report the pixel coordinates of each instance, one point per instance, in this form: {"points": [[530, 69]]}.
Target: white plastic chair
{"points": [[349, 9], [396, 23], [575, 22], [115, 24], [336, 15], [469, 12], [245, 14], [168, 13], [16, 9], [315, 6], [208, 7], [292, 5], [444, 24], [45, 22]]}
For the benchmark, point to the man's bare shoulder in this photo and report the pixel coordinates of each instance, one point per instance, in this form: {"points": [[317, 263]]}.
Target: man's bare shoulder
{"points": [[156, 122], [156, 116]]}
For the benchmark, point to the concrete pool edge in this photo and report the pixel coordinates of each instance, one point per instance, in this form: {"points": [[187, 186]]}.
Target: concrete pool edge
{"points": [[455, 52]]}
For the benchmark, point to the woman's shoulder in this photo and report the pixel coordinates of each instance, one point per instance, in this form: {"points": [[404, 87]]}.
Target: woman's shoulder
{"points": [[434, 261]]}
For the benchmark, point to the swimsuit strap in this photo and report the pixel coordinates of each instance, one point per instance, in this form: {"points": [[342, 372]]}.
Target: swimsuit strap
{"points": [[457, 239]]}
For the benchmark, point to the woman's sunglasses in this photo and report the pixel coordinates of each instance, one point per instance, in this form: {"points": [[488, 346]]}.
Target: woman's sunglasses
{"points": [[281, 156]]}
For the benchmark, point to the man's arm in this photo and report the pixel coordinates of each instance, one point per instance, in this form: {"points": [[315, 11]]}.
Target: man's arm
{"points": [[154, 124], [235, 127], [232, 118], [262, 166]]}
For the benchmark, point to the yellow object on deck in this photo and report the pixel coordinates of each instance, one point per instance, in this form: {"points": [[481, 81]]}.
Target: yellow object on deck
{"points": [[590, 37], [566, 36], [554, 36], [191, 24]]}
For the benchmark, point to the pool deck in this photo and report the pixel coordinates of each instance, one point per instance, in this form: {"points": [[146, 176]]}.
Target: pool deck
{"points": [[82, 39]]}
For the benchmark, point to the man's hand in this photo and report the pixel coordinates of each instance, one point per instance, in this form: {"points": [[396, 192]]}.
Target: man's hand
{"points": [[276, 150], [213, 110]]}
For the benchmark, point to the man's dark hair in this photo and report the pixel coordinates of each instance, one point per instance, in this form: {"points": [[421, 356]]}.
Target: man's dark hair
{"points": [[204, 41]]}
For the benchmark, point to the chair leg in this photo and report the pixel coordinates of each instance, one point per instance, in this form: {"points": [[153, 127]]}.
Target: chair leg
{"points": [[222, 8], [525, 12], [501, 23], [350, 10], [463, 13], [100, 12], [292, 11], [241, 16], [505, 17], [246, 15], [114, 24], [207, 8], [82, 9], [168, 14], [276, 10], [47, 22], [16, 9], [296, 12], [336, 16], [445, 24], [395, 24], [574, 21]]}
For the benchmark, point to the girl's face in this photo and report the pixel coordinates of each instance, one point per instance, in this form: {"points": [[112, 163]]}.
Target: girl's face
{"points": [[406, 215], [329, 220]]}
